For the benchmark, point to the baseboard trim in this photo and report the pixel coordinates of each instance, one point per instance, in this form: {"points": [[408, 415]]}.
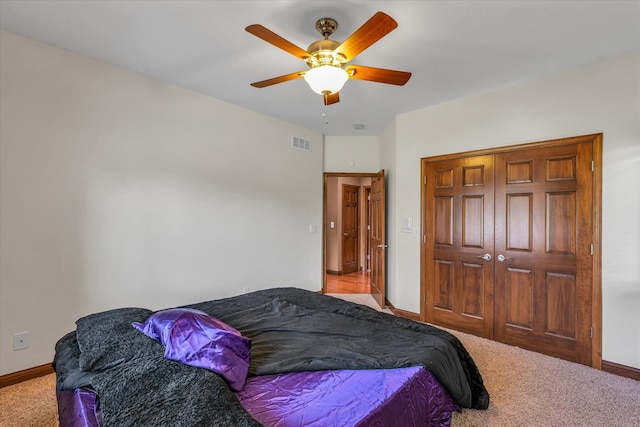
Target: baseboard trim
{"points": [[403, 313], [25, 375], [622, 370], [334, 272], [406, 314]]}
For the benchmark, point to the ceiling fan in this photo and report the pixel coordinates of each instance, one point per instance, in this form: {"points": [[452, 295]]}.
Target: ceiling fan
{"points": [[327, 59]]}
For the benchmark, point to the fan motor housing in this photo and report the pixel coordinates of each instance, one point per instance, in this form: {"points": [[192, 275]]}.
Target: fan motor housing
{"points": [[322, 53]]}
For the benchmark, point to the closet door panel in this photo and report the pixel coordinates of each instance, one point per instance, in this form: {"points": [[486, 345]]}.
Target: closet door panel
{"points": [[459, 203], [519, 298], [538, 283]]}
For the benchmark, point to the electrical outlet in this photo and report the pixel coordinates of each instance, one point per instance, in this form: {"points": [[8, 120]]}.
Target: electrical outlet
{"points": [[20, 341]]}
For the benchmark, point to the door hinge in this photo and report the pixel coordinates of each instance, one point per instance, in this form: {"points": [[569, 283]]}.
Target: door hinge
{"points": [[424, 180], [424, 238], [591, 332], [591, 250], [593, 166]]}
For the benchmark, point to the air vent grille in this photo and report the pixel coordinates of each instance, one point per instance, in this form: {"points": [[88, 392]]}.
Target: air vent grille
{"points": [[300, 143]]}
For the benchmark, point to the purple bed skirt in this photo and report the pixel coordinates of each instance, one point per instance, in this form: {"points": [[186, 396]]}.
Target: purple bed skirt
{"points": [[385, 397], [78, 408], [406, 396]]}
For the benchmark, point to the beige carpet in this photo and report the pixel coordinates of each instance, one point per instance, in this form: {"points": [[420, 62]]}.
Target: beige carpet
{"points": [[29, 404], [531, 389], [526, 388]]}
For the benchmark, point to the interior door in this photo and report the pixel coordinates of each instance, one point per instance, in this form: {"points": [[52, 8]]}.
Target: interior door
{"points": [[378, 239], [543, 248], [350, 216], [459, 244]]}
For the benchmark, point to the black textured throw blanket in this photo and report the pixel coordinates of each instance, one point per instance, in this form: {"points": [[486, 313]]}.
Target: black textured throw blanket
{"points": [[291, 330]]}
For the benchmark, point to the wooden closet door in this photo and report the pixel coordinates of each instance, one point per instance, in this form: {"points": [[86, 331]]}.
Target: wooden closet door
{"points": [[459, 235], [535, 210], [543, 262]]}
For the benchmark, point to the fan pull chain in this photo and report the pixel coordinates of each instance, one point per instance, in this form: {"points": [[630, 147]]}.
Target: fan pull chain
{"points": [[324, 109]]}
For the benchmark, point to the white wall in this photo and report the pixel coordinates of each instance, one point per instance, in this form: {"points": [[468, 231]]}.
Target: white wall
{"points": [[119, 190], [351, 154], [600, 97]]}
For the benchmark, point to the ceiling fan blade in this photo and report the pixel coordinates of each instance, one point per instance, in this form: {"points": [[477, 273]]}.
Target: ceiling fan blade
{"points": [[380, 75], [378, 26], [271, 37], [331, 99], [281, 79]]}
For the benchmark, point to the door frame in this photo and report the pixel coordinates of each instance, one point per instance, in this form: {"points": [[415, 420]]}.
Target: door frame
{"points": [[326, 176], [596, 226]]}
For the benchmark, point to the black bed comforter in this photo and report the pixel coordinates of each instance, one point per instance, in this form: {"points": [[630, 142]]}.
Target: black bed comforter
{"points": [[291, 330]]}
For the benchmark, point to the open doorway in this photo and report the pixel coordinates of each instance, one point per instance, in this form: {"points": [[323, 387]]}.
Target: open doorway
{"points": [[348, 227]]}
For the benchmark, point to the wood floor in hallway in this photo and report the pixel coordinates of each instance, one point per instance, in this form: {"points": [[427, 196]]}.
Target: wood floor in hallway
{"points": [[352, 283]]}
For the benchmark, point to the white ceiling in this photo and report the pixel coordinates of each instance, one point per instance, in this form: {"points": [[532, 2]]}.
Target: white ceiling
{"points": [[453, 48]]}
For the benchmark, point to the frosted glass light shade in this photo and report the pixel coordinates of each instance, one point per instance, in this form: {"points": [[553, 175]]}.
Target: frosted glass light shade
{"points": [[326, 78]]}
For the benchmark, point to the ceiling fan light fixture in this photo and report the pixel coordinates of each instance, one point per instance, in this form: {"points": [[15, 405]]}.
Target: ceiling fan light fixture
{"points": [[327, 59], [326, 79]]}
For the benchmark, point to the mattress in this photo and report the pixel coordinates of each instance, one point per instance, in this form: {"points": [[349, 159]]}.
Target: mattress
{"points": [[404, 396]]}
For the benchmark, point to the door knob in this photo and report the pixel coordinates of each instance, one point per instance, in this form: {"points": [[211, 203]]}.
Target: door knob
{"points": [[383, 246], [486, 257], [502, 258], [346, 234]]}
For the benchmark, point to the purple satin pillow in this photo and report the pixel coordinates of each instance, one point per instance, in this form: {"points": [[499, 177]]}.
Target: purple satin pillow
{"points": [[197, 339]]}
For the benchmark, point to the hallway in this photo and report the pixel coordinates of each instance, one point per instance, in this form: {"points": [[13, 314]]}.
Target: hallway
{"points": [[352, 283]]}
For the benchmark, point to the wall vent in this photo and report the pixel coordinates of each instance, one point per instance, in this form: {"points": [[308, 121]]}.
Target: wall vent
{"points": [[300, 143]]}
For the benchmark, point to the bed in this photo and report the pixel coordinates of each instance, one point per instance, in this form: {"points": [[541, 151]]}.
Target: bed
{"points": [[289, 357]]}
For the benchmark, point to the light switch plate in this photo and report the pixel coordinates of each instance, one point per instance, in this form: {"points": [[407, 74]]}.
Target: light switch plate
{"points": [[407, 224], [20, 341]]}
